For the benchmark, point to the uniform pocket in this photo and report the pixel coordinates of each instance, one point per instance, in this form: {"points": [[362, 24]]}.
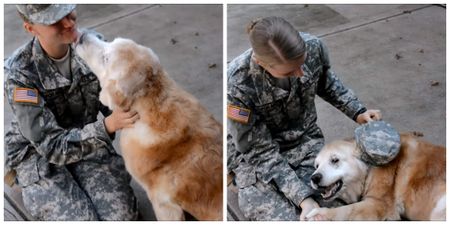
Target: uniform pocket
{"points": [[272, 113], [56, 101], [245, 175], [27, 171], [90, 89], [90, 84]]}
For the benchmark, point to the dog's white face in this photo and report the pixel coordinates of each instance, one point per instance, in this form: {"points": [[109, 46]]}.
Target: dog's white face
{"points": [[339, 172], [122, 66]]}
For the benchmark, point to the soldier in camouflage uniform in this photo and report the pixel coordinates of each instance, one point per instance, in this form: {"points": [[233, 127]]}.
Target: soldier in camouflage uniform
{"points": [[273, 137], [63, 156]]}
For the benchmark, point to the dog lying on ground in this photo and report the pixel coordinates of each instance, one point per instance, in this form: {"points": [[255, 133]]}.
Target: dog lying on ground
{"points": [[412, 186], [174, 150]]}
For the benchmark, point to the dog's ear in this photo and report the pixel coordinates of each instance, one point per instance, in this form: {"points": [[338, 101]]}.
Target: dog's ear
{"points": [[155, 65], [133, 82], [139, 75], [117, 97]]}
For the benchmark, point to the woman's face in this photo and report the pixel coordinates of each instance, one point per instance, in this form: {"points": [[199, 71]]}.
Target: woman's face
{"points": [[288, 69], [62, 32]]}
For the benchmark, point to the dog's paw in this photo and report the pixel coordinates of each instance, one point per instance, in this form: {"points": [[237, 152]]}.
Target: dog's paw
{"points": [[318, 214]]}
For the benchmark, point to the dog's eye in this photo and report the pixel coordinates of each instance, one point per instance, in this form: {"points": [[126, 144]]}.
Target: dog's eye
{"points": [[334, 160]]}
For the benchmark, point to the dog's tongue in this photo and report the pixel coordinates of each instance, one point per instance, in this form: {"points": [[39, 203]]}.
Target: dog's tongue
{"points": [[329, 188], [328, 191]]}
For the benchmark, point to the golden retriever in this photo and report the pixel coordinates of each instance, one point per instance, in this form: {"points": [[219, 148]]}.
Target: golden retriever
{"points": [[412, 186], [174, 150]]}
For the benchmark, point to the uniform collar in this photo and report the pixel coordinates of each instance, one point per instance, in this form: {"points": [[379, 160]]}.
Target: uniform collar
{"points": [[265, 84], [47, 72], [307, 78], [77, 63], [49, 75]]}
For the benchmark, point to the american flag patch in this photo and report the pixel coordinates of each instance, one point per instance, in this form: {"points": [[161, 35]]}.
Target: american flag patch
{"points": [[25, 95], [238, 114]]}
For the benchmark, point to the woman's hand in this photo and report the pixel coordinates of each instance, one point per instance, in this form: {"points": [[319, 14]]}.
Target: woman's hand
{"points": [[120, 119], [307, 205], [369, 115]]}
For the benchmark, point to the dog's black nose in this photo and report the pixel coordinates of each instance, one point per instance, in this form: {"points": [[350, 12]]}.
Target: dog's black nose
{"points": [[316, 178]]}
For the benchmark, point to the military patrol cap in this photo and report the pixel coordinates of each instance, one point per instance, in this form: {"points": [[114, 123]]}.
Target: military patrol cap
{"points": [[378, 142], [45, 14]]}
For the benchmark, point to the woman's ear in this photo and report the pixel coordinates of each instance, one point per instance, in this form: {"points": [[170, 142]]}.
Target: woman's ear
{"points": [[259, 62], [29, 28], [255, 58]]}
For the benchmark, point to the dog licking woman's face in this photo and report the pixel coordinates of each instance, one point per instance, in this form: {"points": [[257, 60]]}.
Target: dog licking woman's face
{"points": [[94, 52], [122, 67]]}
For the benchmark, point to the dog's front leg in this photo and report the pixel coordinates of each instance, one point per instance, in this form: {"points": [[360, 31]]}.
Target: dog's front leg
{"points": [[320, 214], [368, 209], [165, 208]]}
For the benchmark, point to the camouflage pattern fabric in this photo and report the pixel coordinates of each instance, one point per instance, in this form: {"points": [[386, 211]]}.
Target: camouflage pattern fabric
{"points": [[87, 190], [378, 142], [55, 140], [45, 14], [263, 202], [281, 133]]}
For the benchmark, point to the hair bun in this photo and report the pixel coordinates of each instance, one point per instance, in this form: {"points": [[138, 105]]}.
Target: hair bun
{"points": [[252, 24]]}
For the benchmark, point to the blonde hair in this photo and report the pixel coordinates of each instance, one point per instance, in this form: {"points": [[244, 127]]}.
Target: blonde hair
{"points": [[274, 40]]}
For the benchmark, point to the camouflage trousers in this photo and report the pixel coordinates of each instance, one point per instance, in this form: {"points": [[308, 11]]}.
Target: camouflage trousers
{"points": [[264, 202], [93, 189]]}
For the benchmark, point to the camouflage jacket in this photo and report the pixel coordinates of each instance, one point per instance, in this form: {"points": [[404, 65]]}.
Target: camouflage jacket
{"points": [[267, 145], [55, 119]]}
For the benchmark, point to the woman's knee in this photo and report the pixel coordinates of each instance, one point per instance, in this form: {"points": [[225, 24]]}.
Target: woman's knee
{"points": [[45, 204], [265, 204], [119, 209]]}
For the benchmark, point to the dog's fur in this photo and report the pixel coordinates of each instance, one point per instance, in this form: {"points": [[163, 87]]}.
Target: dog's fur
{"points": [[412, 186], [174, 150]]}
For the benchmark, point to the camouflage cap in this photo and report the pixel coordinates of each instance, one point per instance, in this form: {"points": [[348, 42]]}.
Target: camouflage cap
{"points": [[378, 142], [45, 14]]}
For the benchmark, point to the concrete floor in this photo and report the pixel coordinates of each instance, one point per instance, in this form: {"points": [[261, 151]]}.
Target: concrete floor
{"points": [[392, 56], [187, 39]]}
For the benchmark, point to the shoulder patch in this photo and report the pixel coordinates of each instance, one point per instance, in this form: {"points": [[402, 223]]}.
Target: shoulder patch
{"points": [[238, 114], [27, 95]]}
